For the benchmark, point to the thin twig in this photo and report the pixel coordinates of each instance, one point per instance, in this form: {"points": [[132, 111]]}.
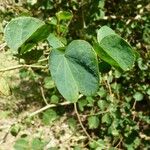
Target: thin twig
{"points": [[47, 107], [119, 143], [44, 59], [2, 46], [78, 116], [81, 124], [109, 87], [133, 108], [51, 106], [22, 66], [43, 95]]}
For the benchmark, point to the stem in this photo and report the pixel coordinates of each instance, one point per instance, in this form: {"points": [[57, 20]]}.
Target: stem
{"points": [[22, 66], [109, 87], [119, 143], [2, 46], [41, 60], [81, 124], [47, 107], [43, 95], [79, 119], [50, 106]]}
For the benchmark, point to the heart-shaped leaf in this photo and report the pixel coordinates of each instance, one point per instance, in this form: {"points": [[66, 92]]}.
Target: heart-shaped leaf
{"points": [[114, 50], [24, 32], [75, 70]]}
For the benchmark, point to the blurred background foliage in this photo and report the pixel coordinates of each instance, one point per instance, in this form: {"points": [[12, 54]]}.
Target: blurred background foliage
{"points": [[124, 96]]}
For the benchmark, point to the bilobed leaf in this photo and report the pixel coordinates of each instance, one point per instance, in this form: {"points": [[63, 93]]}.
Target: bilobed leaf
{"points": [[114, 50], [25, 32], [75, 70]]}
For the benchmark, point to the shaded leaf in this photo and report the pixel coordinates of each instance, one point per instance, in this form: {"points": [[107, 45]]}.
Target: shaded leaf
{"points": [[24, 33], [104, 67]]}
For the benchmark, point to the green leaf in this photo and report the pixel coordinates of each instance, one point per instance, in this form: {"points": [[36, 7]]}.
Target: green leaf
{"points": [[54, 99], [90, 101], [72, 123], [138, 96], [114, 50], [48, 83], [148, 91], [37, 144], [103, 104], [93, 122], [82, 103], [99, 143], [106, 119], [102, 92], [64, 15], [75, 70], [22, 144], [49, 116], [25, 32], [15, 129], [54, 41], [103, 32]]}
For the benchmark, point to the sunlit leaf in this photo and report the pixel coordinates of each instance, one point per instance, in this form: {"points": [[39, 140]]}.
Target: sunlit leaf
{"points": [[75, 70]]}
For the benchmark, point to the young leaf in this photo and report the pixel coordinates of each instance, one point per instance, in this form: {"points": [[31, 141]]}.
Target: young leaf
{"points": [[75, 70], [25, 32], [106, 119], [138, 96], [93, 122], [64, 15], [114, 50], [49, 116]]}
